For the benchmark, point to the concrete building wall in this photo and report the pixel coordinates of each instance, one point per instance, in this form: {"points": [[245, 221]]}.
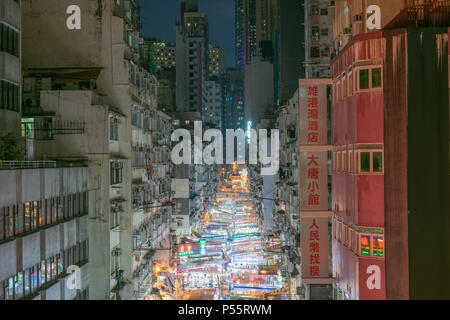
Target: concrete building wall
{"points": [[102, 35], [259, 88], [318, 38], [417, 217], [10, 66], [21, 253]]}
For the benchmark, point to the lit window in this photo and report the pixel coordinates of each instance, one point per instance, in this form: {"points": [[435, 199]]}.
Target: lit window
{"points": [[378, 246], [365, 245]]}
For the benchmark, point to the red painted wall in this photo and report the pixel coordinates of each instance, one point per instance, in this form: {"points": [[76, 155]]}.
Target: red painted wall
{"points": [[359, 199], [345, 265], [371, 200], [366, 279]]}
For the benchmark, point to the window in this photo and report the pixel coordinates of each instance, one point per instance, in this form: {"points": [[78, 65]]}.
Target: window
{"points": [[136, 118], [350, 82], [377, 162], [113, 129], [315, 33], [333, 162], [116, 172], [315, 52], [371, 242], [9, 40], [376, 78], [344, 161], [370, 161], [9, 96], [364, 241], [365, 161], [344, 86], [350, 161], [378, 246], [364, 79], [339, 91], [314, 10], [338, 162]]}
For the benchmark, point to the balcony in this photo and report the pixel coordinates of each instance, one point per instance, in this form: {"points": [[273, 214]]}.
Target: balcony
{"points": [[433, 14], [48, 128]]}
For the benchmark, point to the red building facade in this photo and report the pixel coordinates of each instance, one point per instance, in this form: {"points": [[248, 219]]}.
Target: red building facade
{"points": [[358, 170]]}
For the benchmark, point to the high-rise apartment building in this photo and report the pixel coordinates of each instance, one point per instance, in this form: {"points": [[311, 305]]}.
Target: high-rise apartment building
{"points": [[164, 55], [212, 104], [10, 73], [255, 21], [216, 60], [290, 49], [318, 38], [192, 45], [44, 205], [100, 103], [233, 110]]}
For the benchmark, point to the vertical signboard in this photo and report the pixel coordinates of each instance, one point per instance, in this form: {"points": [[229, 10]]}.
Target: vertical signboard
{"points": [[314, 197], [313, 114], [314, 246], [313, 181]]}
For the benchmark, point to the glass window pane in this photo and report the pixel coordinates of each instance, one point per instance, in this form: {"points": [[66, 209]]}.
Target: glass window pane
{"points": [[365, 245], [60, 264], [27, 283], [19, 221], [364, 79], [9, 222], [42, 274], [35, 278], [365, 161], [54, 270], [9, 290], [377, 162], [376, 78], [378, 246], [18, 284]]}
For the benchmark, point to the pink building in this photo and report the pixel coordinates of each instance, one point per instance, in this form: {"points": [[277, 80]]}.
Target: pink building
{"points": [[358, 170]]}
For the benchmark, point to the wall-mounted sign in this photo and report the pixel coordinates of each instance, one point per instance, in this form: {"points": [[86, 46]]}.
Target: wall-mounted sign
{"points": [[314, 245], [73, 22], [313, 161], [373, 17]]}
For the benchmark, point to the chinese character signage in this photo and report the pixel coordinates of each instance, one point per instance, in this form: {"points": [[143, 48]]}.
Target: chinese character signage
{"points": [[314, 181], [313, 160], [313, 114], [314, 245]]}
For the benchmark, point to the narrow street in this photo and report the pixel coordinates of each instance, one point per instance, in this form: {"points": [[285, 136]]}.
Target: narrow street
{"points": [[228, 258]]}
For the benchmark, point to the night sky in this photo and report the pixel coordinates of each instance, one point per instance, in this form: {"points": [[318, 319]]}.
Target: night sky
{"points": [[158, 18]]}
